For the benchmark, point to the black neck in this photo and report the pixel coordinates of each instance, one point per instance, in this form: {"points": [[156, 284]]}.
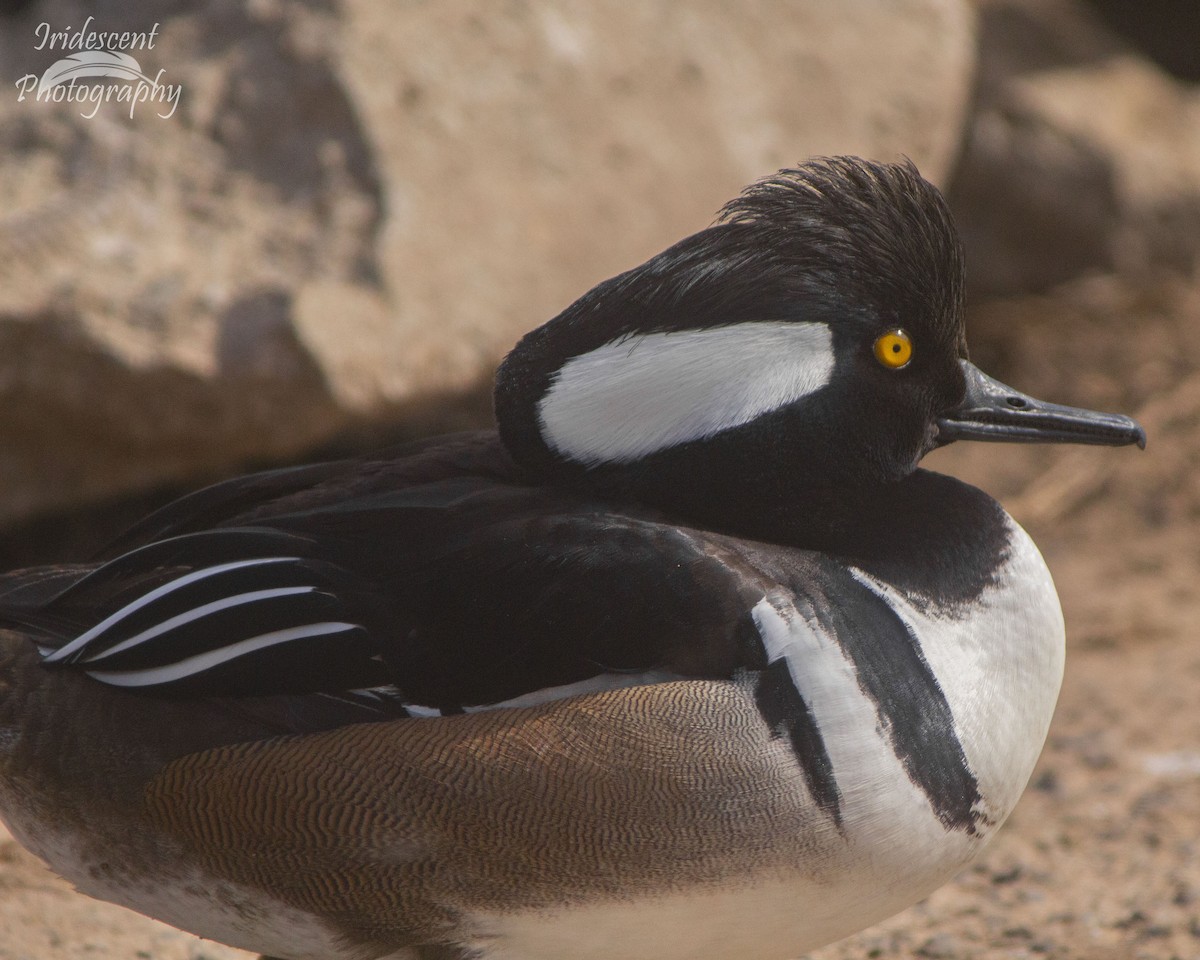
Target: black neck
{"points": [[928, 534]]}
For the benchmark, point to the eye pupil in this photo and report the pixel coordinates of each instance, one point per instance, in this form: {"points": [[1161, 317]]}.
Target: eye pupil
{"points": [[894, 349]]}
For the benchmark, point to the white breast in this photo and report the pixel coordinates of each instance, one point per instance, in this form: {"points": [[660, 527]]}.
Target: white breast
{"points": [[999, 665]]}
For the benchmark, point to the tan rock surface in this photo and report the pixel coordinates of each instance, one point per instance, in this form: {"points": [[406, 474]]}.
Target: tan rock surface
{"points": [[355, 206]]}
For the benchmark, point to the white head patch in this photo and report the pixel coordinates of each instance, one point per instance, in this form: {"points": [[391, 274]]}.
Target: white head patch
{"points": [[644, 393]]}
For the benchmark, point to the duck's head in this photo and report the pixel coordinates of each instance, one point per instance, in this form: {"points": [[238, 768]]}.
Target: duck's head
{"points": [[813, 336]]}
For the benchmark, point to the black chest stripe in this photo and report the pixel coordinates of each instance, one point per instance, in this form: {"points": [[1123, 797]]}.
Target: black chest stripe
{"points": [[787, 714], [912, 709]]}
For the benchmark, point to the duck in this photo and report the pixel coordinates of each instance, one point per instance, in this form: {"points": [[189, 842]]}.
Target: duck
{"points": [[687, 658]]}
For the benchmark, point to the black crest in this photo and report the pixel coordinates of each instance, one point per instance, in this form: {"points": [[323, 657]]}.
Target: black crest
{"points": [[840, 240]]}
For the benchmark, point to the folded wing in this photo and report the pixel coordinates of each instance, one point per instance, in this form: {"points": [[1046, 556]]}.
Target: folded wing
{"points": [[455, 592]]}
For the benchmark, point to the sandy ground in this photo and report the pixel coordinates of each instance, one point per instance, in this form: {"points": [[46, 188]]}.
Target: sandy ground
{"points": [[1101, 860]]}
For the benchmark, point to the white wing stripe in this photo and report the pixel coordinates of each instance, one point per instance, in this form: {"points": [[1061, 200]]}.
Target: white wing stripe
{"points": [[85, 638], [214, 658], [195, 614]]}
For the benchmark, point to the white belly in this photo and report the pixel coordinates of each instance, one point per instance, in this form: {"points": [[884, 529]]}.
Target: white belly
{"points": [[773, 920]]}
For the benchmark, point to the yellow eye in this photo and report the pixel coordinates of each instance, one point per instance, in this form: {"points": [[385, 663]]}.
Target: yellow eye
{"points": [[894, 349]]}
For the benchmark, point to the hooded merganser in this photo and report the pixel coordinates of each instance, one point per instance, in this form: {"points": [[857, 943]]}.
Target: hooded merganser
{"points": [[687, 659]]}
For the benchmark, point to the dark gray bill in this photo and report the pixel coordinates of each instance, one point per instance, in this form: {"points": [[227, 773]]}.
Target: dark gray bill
{"points": [[993, 411]]}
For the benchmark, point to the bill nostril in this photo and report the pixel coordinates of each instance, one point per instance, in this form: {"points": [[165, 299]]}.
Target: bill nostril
{"points": [[1017, 403]]}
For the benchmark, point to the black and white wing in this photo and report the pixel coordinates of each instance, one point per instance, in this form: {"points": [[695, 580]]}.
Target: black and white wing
{"points": [[458, 591], [214, 612]]}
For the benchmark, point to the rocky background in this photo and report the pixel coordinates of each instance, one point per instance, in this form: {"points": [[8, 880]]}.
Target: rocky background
{"points": [[359, 205]]}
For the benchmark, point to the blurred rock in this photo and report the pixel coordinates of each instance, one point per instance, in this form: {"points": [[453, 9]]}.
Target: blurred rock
{"points": [[357, 206], [1168, 31], [1080, 156]]}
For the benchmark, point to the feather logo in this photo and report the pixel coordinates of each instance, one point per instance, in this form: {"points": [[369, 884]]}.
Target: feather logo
{"points": [[96, 76], [91, 63]]}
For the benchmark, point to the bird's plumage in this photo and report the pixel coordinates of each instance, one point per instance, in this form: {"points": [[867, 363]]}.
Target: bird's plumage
{"points": [[684, 659]]}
